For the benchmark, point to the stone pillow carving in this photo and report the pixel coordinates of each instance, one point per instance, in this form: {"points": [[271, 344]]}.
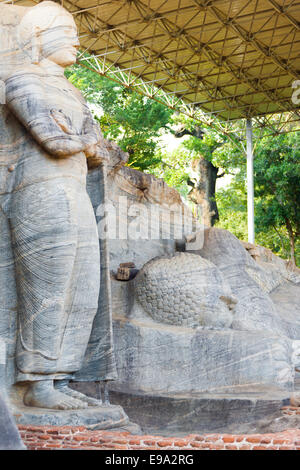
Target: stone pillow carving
{"points": [[185, 290]]}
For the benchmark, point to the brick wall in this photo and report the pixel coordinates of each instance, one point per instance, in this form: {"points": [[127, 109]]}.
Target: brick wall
{"points": [[78, 437]]}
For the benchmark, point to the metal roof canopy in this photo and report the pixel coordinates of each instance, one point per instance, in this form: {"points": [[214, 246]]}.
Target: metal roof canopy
{"points": [[224, 59]]}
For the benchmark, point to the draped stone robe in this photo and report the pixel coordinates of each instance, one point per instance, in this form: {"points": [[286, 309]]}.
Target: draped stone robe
{"points": [[49, 261]]}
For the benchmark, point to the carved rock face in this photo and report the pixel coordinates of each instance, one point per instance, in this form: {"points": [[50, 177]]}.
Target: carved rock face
{"points": [[185, 290], [48, 235], [49, 31]]}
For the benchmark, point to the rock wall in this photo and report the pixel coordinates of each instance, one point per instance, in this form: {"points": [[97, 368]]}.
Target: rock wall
{"points": [[259, 347], [146, 218]]}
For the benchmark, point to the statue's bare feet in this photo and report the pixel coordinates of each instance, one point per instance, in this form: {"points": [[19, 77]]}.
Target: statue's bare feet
{"points": [[42, 394], [62, 386]]}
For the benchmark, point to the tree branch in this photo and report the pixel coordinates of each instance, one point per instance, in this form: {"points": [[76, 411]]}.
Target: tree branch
{"points": [[196, 132]]}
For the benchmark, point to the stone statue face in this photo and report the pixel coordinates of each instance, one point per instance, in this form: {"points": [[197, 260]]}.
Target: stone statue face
{"points": [[64, 42], [48, 31]]}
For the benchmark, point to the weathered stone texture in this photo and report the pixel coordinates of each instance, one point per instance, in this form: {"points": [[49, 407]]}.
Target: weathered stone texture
{"points": [[156, 358], [50, 258], [184, 290], [261, 347]]}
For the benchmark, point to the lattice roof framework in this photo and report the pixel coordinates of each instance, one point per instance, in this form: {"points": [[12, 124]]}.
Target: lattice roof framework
{"points": [[215, 60]]}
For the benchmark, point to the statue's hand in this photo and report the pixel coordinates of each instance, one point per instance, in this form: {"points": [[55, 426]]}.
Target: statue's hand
{"points": [[96, 156], [90, 140], [62, 121]]}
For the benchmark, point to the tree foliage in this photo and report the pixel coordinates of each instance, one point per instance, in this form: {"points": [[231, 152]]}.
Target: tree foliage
{"points": [[277, 189], [277, 196], [132, 120]]}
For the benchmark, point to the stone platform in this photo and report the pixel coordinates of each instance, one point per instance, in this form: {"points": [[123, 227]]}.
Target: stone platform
{"points": [[104, 417], [176, 414], [240, 410]]}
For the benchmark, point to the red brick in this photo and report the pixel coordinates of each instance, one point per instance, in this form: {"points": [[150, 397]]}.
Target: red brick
{"points": [[76, 428], [53, 445], [44, 437], [217, 447], [98, 439], [209, 438], [213, 439], [280, 441], [164, 443], [201, 445], [119, 441], [53, 432], [149, 442], [254, 439], [65, 430], [266, 440], [38, 429], [51, 429], [80, 437], [180, 442], [134, 442], [228, 439]]}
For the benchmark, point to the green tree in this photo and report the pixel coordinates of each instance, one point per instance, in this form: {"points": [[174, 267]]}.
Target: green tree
{"points": [[134, 121], [277, 188], [211, 155], [232, 204], [276, 180]]}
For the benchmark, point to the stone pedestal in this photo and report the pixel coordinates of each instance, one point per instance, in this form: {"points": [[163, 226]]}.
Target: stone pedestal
{"points": [[104, 417], [242, 411]]}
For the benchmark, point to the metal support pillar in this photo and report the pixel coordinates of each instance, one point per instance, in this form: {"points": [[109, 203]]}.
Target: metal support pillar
{"points": [[250, 182]]}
